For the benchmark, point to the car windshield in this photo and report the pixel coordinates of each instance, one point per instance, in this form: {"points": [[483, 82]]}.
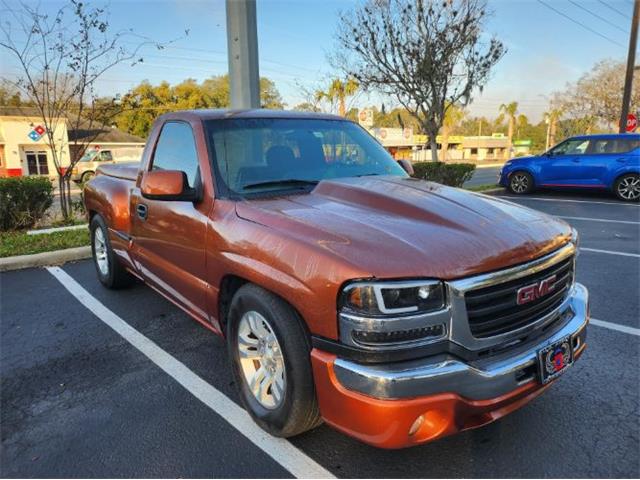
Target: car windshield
{"points": [[263, 155]]}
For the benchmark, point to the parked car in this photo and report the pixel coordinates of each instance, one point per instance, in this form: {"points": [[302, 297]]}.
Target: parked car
{"points": [[86, 167], [396, 310], [597, 162]]}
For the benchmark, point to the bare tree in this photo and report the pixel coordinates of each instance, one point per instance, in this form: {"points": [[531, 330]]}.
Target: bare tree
{"points": [[61, 57], [594, 100], [426, 53]]}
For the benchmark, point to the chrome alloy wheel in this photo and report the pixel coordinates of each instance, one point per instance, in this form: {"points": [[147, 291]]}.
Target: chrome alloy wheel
{"points": [[629, 187], [519, 183], [261, 360], [100, 251]]}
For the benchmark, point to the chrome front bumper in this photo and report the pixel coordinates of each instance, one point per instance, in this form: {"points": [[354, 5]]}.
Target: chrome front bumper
{"points": [[482, 379]]}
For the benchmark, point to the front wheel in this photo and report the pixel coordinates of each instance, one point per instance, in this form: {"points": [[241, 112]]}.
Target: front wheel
{"points": [[627, 187], [86, 176], [269, 350], [520, 183]]}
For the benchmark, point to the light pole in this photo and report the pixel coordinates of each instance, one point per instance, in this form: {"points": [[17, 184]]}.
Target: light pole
{"points": [[242, 51], [631, 58]]}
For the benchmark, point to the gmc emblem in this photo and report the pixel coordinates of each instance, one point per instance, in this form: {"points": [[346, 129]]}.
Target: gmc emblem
{"points": [[534, 291]]}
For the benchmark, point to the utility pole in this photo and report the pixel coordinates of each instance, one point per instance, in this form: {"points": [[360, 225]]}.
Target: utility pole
{"points": [[242, 51], [631, 60]]}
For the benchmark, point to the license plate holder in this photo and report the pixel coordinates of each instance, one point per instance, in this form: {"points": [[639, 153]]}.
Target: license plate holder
{"points": [[554, 359]]}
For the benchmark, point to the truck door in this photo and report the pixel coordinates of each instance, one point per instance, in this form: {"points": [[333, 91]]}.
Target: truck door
{"points": [[169, 236]]}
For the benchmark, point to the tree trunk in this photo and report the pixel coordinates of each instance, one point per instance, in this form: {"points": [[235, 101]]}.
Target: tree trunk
{"points": [[342, 107], [445, 143], [434, 147], [507, 151]]}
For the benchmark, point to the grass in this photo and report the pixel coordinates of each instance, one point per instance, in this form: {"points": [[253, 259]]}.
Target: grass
{"points": [[482, 188], [19, 243]]}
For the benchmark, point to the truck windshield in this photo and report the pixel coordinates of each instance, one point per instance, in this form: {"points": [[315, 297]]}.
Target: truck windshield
{"points": [[264, 155]]}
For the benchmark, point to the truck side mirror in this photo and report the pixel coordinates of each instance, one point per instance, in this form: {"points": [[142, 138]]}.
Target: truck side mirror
{"points": [[167, 185], [406, 166]]}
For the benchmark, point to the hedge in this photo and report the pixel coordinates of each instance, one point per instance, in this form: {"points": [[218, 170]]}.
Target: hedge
{"points": [[23, 201], [452, 174]]}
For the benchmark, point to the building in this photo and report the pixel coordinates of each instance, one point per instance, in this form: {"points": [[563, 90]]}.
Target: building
{"points": [[404, 144], [24, 150]]}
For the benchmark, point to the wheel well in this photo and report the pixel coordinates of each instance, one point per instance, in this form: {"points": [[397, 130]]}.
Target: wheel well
{"points": [[228, 287]]}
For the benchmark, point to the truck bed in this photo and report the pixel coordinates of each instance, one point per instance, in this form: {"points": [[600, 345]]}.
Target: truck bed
{"points": [[125, 171]]}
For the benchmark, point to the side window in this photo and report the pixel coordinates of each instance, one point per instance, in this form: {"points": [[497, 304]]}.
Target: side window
{"points": [[614, 145], [625, 145], [571, 147], [105, 156], [176, 150]]}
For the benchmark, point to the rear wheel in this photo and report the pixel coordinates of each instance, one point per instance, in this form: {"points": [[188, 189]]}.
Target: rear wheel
{"points": [[109, 269], [627, 187], [269, 350], [520, 183]]}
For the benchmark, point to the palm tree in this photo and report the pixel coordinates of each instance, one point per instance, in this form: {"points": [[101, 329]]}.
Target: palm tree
{"points": [[521, 122], [509, 110], [338, 92]]}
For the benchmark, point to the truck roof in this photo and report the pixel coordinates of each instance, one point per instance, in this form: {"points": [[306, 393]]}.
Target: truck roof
{"points": [[218, 114]]}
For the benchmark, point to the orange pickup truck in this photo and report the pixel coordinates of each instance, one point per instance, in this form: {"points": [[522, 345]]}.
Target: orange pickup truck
{"points": [[394, 309]]}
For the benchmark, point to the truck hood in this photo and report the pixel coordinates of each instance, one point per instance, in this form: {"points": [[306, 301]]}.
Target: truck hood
{"points": [[392, 227]]}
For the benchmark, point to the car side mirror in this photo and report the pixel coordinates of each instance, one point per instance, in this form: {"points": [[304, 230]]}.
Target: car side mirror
{"points": [[406, 166], [167, 185]]}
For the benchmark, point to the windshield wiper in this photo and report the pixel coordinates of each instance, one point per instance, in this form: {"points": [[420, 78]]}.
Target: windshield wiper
{"points": [[289, 182], [368, 175]]}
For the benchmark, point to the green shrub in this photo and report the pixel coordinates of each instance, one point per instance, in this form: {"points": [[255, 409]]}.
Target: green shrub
{"points": [[452, 174], [23, 201]]}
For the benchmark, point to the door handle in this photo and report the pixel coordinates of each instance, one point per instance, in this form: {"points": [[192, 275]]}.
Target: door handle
{"points": [[621, 160], [141, 210], [575, 160]]}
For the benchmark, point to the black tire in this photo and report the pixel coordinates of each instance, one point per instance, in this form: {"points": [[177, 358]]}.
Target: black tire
{"points": [[521, 182], [86, 176], [627, 187], [298, 409], [115, 276]]}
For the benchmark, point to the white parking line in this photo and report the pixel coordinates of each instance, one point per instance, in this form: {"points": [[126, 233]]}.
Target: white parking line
{"points": [[587, 219], [566, 200], [615, 326], [610, 252], [282, 451]]}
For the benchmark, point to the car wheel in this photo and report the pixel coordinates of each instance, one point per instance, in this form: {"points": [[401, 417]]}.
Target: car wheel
{"points": [[86, 176], [269, 349], [109, 269], [520, 183], [627, 187]]}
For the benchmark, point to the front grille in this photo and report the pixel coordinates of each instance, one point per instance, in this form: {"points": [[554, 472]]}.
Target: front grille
{"points": [[494, 310]]}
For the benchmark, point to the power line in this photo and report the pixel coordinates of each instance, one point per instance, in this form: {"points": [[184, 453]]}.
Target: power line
{"points": [[599, 17], [581, 24], [614, 9]]}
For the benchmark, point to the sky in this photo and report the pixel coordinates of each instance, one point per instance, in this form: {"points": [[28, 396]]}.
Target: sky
{"points": [[545, 49]]}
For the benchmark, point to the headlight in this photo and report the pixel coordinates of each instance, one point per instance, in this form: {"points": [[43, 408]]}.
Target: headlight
{"points": [[393, 298], [391, 315]]}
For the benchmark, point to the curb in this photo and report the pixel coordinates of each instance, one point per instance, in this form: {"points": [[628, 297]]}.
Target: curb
{"points": [[44, 231], [492, 190], [56, 257]]}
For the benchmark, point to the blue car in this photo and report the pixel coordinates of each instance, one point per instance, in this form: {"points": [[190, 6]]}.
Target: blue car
{"points": [[606, 162]]}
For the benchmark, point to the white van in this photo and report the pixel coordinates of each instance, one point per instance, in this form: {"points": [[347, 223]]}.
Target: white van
{"points": [[85, 169]]}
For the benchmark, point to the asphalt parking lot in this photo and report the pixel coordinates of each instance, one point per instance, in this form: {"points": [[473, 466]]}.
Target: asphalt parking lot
{"points": [[79, 400]]}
